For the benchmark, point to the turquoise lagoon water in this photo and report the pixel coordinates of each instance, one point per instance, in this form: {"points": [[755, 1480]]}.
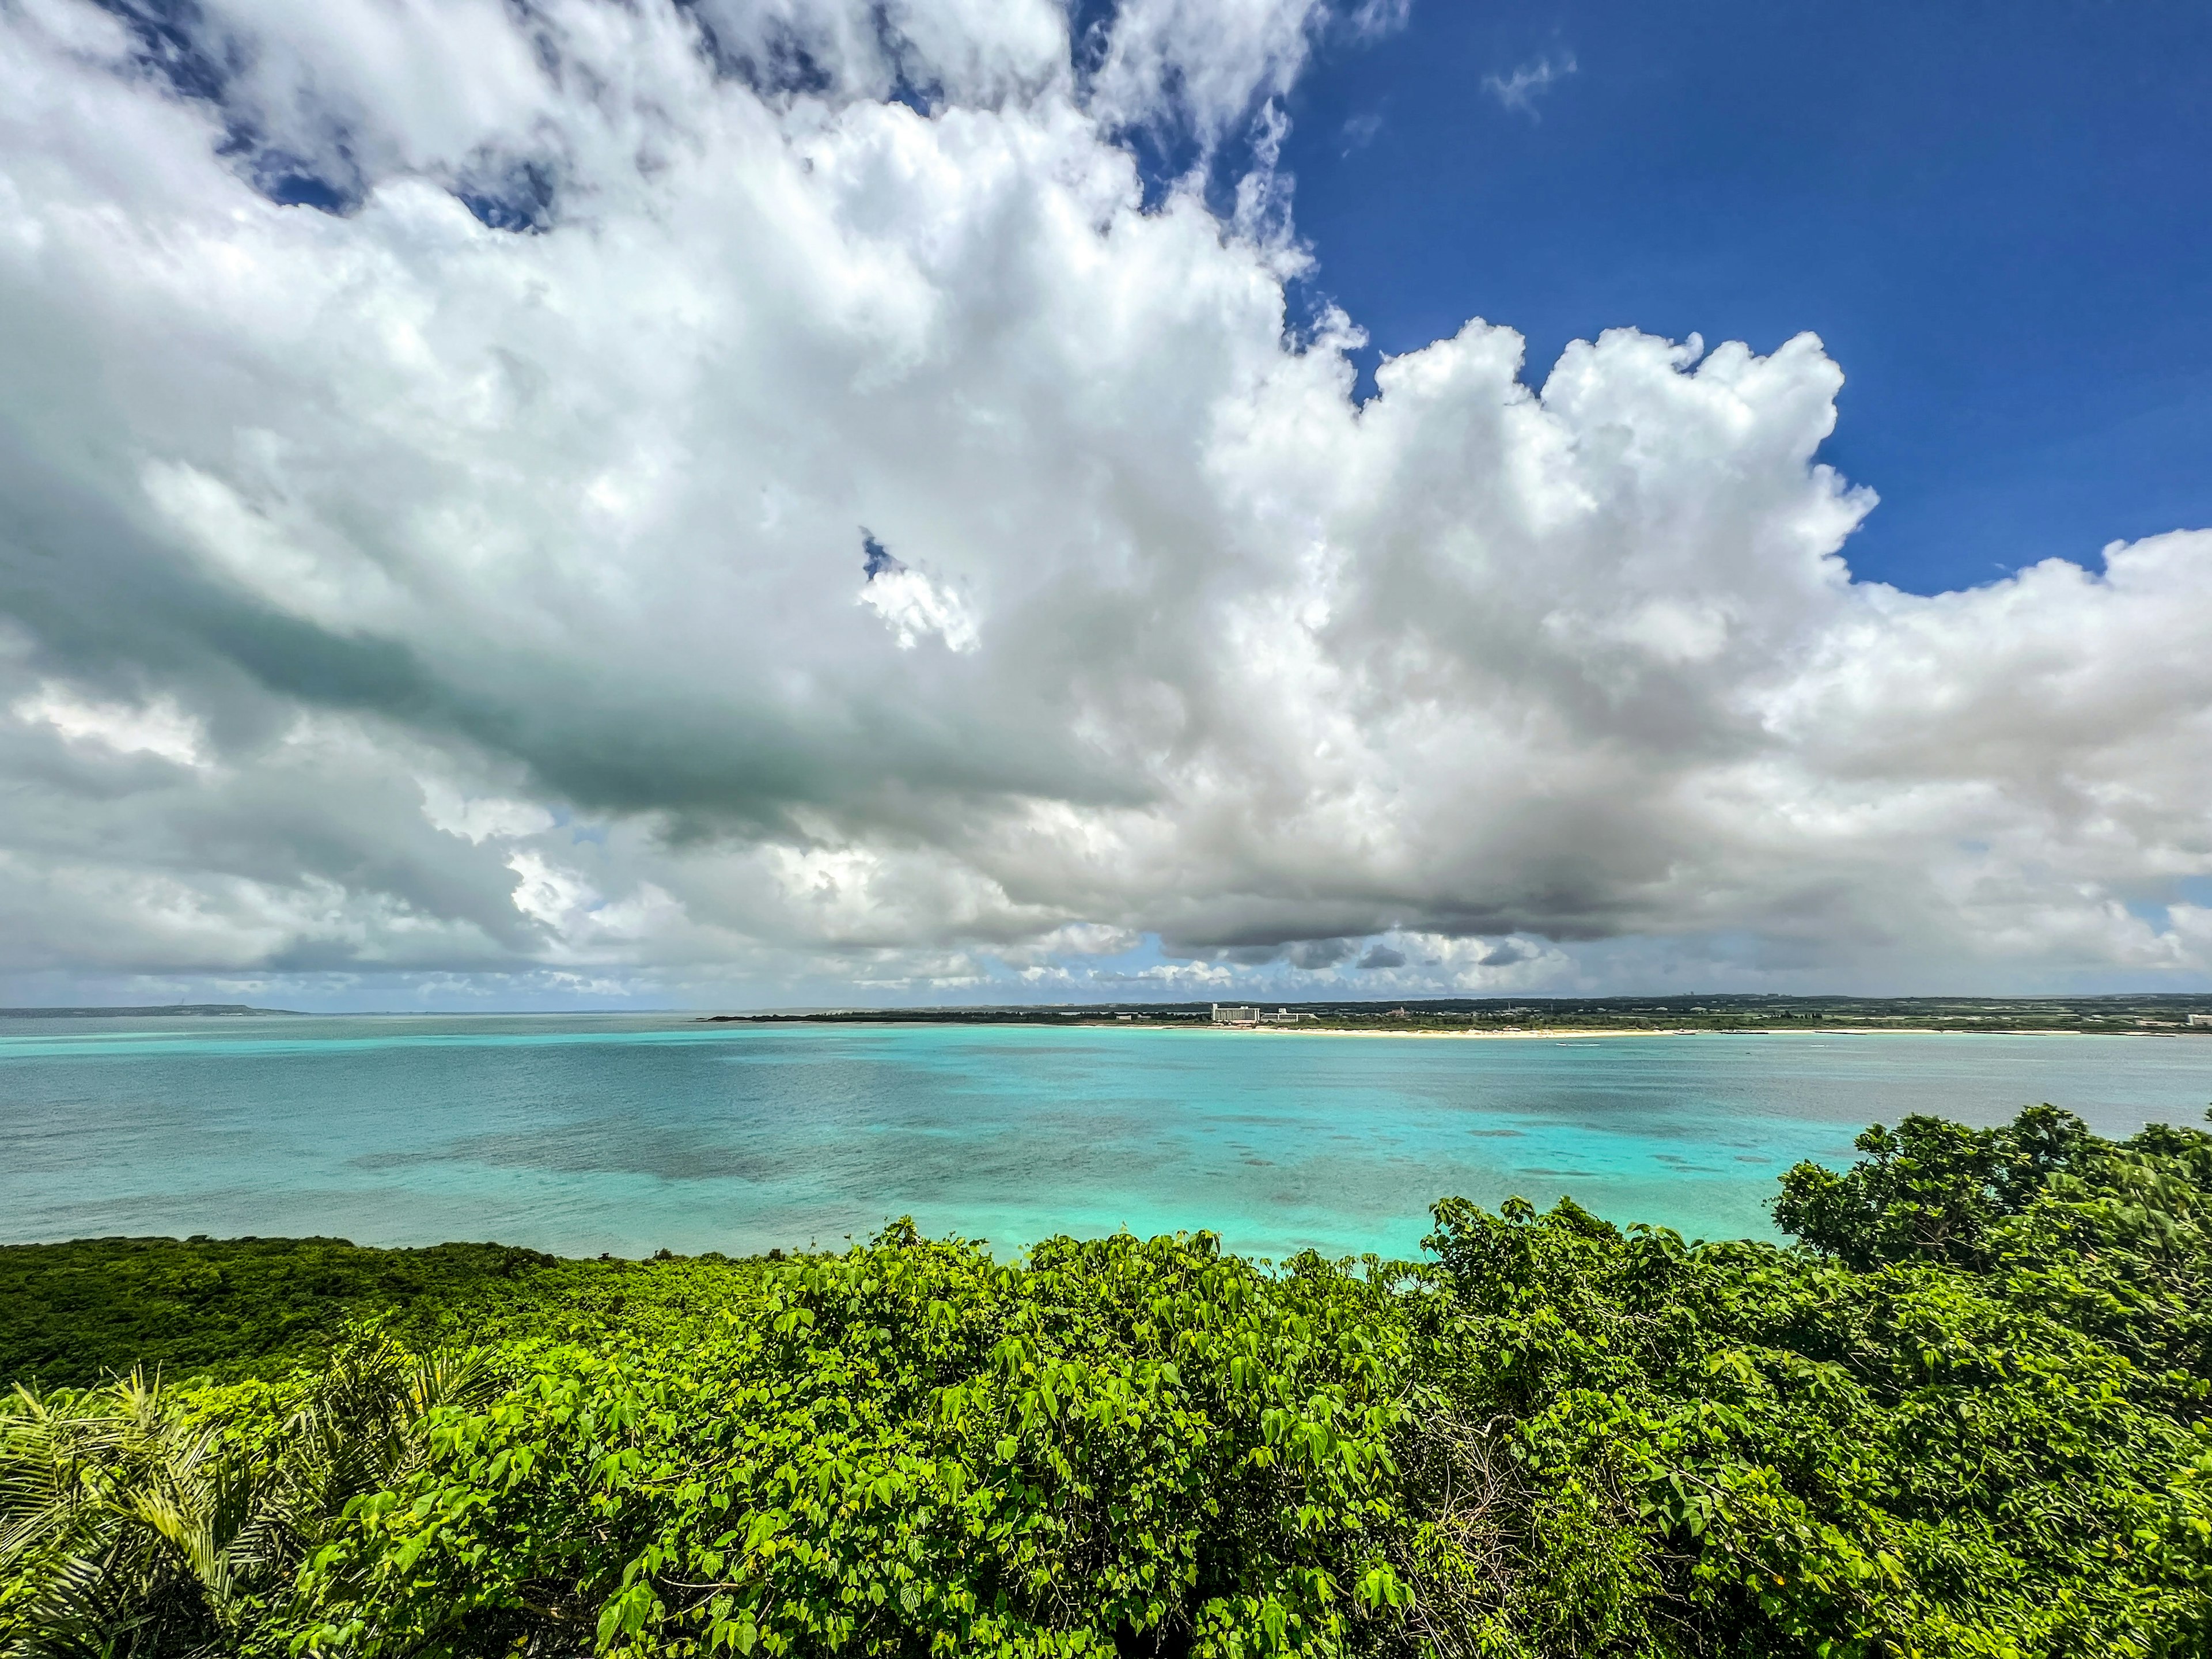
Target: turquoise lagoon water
{"points": [[622, 1133]]}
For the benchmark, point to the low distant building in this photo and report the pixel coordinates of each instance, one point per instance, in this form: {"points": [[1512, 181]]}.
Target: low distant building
{"points": [[2200, 1019], [1227, 1014]]}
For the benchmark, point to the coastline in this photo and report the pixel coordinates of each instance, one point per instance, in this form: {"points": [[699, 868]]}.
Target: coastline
{"points": [[1449, 1025], [1563, 1033], [1560, 1035]]}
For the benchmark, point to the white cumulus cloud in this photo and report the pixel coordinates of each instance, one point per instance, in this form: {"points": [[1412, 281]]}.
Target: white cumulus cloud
{"points": [[434, 442]]}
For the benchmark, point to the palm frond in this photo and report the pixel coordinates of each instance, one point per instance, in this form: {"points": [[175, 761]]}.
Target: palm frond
{"points": [[130, 1529]]}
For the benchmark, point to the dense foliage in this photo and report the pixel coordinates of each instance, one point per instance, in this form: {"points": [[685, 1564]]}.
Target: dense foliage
{"points": [[71, 1314], [1969, 1414]]}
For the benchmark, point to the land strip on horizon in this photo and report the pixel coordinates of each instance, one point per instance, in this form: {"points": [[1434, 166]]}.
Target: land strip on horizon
{"points": [[2162, 1014]]}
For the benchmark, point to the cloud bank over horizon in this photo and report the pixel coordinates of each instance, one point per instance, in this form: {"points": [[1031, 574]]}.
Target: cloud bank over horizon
{"points": [[768, 501]]}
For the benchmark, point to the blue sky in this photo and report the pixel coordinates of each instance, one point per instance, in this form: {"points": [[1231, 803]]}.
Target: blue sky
{"points": [[1998, 218]]}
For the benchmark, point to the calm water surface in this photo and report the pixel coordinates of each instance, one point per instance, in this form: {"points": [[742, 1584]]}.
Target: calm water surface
{"points": [[629, 1133]]}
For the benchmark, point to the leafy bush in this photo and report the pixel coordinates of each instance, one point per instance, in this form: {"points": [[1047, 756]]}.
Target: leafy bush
{"points": [[1735, 1448], [913, 1448], [1966, 1415]]}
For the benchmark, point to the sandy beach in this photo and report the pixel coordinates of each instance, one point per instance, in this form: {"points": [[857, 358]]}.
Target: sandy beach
{"points": [[1560, 1034]]}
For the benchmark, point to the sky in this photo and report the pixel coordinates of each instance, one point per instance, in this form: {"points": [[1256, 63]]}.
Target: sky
{"points": [[794, 503], [1998, 219]]}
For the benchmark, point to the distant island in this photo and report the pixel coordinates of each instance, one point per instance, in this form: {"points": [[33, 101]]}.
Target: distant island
{"points": [[2170, 1014], [210, 1010]]}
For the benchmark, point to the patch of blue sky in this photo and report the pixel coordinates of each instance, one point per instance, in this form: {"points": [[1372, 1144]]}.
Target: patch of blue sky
{"points": [[1999, 221]]}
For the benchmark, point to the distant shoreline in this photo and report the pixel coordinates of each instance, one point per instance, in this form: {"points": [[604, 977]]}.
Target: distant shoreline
{"points": [[159, 1011], [1554, 1033], [1560, 1033], [1564, 1032]]}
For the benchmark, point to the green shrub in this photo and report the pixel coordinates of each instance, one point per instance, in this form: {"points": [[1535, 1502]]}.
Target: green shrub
{"points": [[1966, 1415], [914, 1448]]}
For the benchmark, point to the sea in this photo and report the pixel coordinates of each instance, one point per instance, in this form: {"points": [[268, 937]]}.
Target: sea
{"points": [[628, 1135]]}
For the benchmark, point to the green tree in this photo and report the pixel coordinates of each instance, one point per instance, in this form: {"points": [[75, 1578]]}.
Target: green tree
{"points": [[1930, 1190]]}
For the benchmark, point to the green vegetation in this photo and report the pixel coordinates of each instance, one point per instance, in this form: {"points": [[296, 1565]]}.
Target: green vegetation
{"points": [[1968, 1413], [70, 1314]]}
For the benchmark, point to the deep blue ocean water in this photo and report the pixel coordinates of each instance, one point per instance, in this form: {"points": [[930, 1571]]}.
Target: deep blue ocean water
{"points": [[626, 1133]]}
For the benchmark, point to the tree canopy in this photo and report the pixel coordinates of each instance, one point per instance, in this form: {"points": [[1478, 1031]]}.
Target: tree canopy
{"points": [[1966, 1414]]}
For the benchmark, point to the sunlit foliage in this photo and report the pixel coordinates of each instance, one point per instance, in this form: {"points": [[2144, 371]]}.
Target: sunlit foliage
{"points": [[1966, 1415]]}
